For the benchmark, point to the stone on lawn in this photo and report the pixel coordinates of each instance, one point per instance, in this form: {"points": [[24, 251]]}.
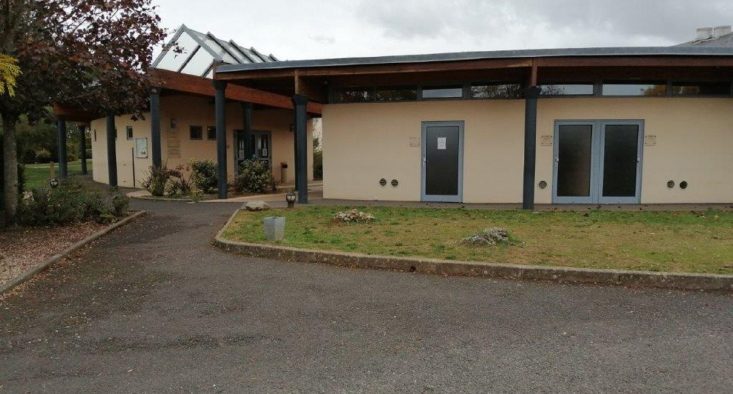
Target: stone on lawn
{"points": [[256, 206], [488, 237]]}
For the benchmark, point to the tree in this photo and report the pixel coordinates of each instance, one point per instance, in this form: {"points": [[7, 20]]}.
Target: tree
{"points": [[9, 72], [90, 54]]}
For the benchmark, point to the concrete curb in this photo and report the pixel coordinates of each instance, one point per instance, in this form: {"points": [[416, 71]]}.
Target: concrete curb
{"points": [[55, 258], [663, 280]]}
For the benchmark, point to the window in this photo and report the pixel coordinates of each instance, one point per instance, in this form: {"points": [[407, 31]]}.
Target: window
{"points": [[701, 89], [567, 89], [128, 132], [496, 90], [196, 132], [211, 133], [442, 92], [353, 95], [396, 94], [650, 89]]}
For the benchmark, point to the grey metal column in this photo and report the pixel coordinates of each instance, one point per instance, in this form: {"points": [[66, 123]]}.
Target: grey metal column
{"points": [[83, 148], [61, 149], [300, 138], [530, 146], [247, 127], [111, 151], [155, 127], [221, 135]]}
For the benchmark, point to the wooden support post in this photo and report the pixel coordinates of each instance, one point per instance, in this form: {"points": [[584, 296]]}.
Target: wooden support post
{"points": [[61, 149], [155, 127], [300, 138], [221, 135], [111, 151]]}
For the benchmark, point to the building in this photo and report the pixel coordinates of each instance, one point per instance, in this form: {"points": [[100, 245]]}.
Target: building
{"points": [[635, 125], [641, 125], [181, 127]]}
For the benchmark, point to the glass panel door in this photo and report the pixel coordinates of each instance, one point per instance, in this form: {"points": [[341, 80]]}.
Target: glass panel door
{"points": [[598, 162], [574, 163], [621, 158]]}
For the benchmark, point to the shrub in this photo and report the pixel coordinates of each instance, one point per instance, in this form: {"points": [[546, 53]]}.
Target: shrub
{"points": [[204, 175], [318, 164], [254, 177], [70, 203], [156, 181], [43, 156], [177, 184], [29, 156]]}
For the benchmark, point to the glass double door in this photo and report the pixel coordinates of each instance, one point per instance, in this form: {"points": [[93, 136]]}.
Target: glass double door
{"points": [[598, 162], [255, 145]]}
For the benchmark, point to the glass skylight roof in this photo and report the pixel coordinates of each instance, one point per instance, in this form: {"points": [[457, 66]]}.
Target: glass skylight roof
{"points": [[195, 53]]}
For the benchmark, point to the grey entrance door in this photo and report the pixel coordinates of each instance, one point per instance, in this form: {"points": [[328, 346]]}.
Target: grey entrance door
{"points": [[442, 161], [598, 162]]}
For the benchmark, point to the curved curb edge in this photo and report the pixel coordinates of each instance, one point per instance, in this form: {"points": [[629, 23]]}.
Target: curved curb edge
{"points": [[55, 258], [663, 280]]}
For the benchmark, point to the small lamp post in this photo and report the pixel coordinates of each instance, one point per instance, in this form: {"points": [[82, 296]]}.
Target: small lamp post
{"points": [[290, 198], [54, 183]]}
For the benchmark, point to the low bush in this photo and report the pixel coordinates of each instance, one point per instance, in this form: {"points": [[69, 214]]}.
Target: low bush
{"points": [[70, 203], [178, 184], [203, 175], [43, 156], [156, 180], [254, 176], [163, 181]]}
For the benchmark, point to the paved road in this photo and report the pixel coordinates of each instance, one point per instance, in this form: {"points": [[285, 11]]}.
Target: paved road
{"points": [[153, 307]]}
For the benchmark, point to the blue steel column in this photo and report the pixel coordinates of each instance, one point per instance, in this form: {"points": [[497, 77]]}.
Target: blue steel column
{"points": [[530, 146], [221, 135], [155, 127], [61, 150], [83, 148], [300, 138], [111, 151]]}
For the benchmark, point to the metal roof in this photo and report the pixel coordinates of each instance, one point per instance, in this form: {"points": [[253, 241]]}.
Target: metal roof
{"points": [[464, 56], [195, 53]]}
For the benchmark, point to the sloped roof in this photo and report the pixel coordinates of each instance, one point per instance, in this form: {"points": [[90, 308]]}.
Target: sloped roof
{"points": [[725, 41], [677, 51], [195, 53]]}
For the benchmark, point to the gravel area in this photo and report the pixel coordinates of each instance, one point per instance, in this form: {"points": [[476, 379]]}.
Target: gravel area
{"points": [[23, 248]]}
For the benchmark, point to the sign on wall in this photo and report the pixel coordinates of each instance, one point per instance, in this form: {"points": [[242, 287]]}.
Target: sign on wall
{"points": [[141, 148], [546, 140], [650, 140]]}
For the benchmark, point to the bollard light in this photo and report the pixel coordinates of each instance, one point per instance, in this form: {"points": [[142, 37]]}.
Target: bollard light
{"points": [[290, 198], [54, 183]]}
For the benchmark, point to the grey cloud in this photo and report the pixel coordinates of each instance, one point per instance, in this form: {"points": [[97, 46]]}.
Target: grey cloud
{"points": [[618, 20]]}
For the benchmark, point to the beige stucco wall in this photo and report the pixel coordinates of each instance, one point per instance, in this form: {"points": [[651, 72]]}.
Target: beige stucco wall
{"points": [[183, 112], [365, 142], [694, 141]]}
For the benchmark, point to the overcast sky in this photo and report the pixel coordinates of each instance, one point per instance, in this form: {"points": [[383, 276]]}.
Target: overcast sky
{"points": [[343, 28]]}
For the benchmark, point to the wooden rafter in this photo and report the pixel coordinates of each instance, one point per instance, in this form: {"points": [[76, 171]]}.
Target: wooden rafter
{"points": [[203, 86]]}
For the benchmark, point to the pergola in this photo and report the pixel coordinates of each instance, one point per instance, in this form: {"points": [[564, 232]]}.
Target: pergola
{"points": [[186, 65]]}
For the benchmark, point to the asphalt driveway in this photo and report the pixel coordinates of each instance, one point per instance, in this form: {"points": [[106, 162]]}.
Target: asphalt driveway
{"points": [[153, 307]]}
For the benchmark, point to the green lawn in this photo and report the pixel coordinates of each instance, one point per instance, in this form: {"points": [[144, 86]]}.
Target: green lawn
{"points": [[37, 175], [653, 241]]}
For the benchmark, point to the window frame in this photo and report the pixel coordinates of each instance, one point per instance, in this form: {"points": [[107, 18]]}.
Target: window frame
{"points": [[190, 133], [208, 130]]}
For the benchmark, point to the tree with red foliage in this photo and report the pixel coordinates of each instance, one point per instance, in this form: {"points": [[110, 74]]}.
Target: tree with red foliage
{"points": [[90, 54]]}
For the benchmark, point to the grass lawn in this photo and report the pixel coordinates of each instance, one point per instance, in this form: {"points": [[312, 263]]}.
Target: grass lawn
{"points": [[37, 175], [652, 241]]}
